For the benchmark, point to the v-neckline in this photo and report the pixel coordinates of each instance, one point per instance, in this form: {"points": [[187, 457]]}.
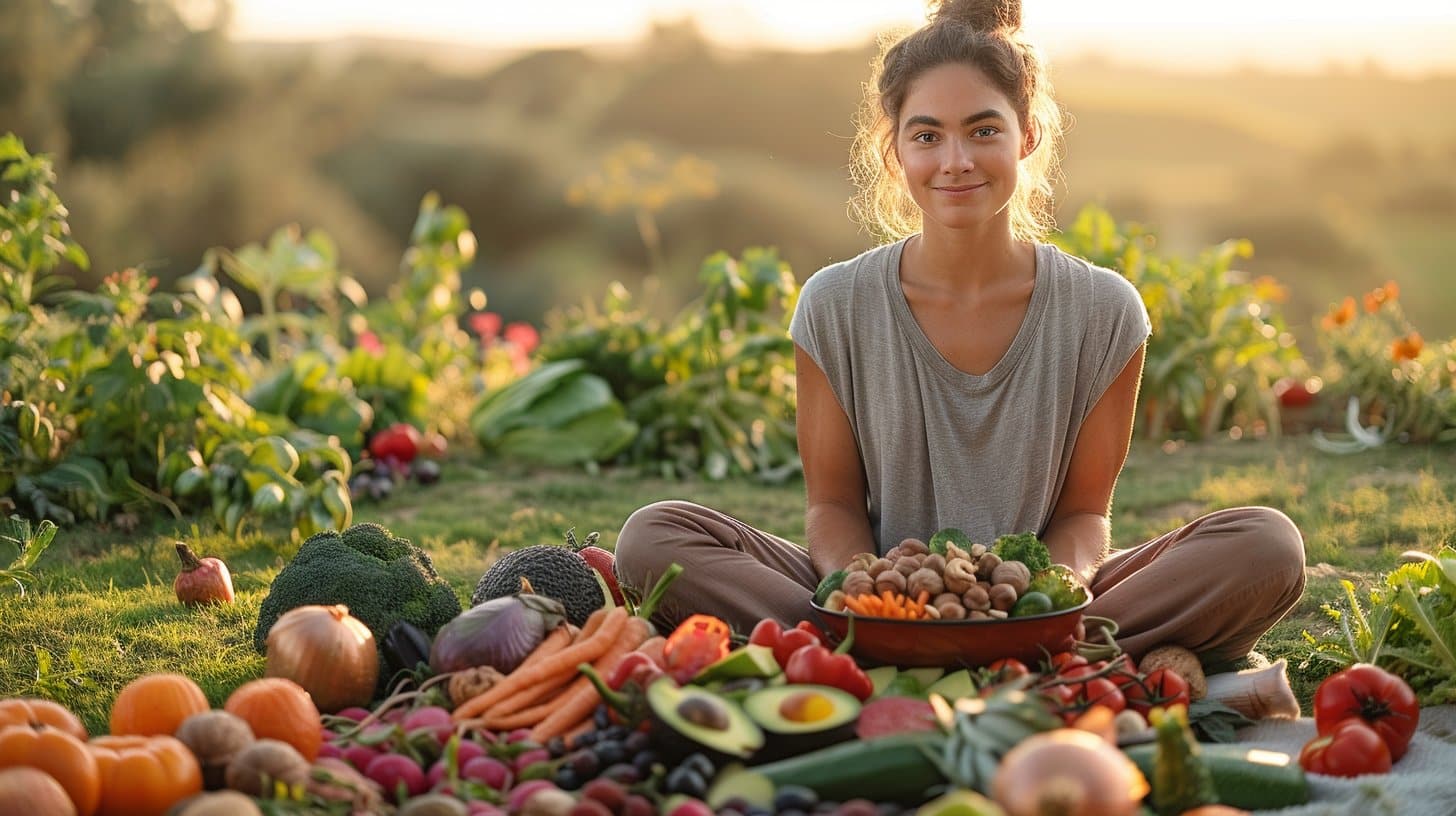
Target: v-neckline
{"points": [[945, 368]]}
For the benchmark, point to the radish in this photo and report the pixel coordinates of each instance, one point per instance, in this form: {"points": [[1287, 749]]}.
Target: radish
{"points": [[484, 809], [488, 771], [522, 793], [354, 713], [525, 759], [434, 720], [389, 770], [359, 755]]}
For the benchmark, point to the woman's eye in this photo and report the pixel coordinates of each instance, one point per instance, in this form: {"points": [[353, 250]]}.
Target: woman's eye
{"points": [[924, 137], [985, 132]]}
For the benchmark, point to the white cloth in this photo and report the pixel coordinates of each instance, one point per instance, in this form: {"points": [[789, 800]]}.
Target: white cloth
{"points": [[1422, 783]]}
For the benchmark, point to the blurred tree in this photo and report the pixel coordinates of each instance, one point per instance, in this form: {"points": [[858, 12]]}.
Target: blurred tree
{"points": [[41, 45], [148, 67]]}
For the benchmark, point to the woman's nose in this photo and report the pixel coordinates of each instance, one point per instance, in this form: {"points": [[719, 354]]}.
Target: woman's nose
{"points": [[958, 158]]}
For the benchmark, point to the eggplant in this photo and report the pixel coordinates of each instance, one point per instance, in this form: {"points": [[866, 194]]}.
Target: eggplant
{"points": [[405, 647]]}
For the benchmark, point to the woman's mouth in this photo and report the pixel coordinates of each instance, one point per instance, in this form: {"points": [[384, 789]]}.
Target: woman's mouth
{"points": [[961, 188]]}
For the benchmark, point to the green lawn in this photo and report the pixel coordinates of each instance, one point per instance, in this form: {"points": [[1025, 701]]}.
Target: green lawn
{"points": [[105, 596]]}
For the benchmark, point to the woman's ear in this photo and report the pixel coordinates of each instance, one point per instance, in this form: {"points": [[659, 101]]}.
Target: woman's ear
{"points": [[1030, 141]]}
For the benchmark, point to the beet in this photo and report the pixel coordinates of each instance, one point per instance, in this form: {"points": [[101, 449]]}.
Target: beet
{"points": [[895, 715]]}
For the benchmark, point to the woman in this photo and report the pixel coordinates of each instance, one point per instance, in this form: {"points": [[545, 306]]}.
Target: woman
{"points": [[967, 375]]}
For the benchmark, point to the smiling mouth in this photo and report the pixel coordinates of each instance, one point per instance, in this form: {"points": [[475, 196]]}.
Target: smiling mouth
{"points": [[961, 188]]}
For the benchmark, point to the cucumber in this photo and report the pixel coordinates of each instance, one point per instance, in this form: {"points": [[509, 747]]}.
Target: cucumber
{"points": [[1248, 778], [896, 768]]}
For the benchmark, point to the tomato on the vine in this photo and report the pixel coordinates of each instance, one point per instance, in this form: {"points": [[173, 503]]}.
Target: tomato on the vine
{"points": [[1008, 668], [1161, 687], [1381, 699], [1351, 748], [1062, 661]]}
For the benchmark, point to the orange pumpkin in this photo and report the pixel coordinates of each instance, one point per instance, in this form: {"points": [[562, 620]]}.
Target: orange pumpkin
{"points": [[33, 710], [155, 704], [34, 793], [144, 776], [278, 708], [58, 754]]}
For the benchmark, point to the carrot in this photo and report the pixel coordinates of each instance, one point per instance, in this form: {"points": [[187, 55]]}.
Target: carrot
{"points": [[582, 698], [555, 640], [549, 668]]}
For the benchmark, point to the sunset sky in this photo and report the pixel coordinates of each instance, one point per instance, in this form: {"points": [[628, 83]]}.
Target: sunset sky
{"points": [[1404, 35]]}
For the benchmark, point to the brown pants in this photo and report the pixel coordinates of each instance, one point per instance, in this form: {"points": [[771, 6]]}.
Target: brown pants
{"points": [[1214, 586]]}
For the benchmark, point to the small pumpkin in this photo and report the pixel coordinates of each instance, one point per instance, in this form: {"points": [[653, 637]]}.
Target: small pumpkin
{"points": [[278, 708], [202, 580], [155, 704], [328, 652], [34, 792], [58, 754], [33, 710], [144, 775], [215, 737]]}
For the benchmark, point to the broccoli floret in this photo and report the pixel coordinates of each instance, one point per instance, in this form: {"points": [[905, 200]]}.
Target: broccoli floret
{"points": [[1023, 547], [381, 578]]}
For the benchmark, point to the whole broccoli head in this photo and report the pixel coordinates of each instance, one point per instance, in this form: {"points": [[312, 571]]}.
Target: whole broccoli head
{"points": [[381, 578], [1023, 547]]}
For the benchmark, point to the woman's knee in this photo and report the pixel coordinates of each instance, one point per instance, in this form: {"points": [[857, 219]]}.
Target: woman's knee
{"points": [[1275, 545], [648, 537]]}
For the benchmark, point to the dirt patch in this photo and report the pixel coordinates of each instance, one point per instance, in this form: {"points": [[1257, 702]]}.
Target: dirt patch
{"points": [[1325, 571]]}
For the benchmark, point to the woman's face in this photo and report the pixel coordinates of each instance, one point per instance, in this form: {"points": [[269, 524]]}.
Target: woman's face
{"points": [[958, 143]]}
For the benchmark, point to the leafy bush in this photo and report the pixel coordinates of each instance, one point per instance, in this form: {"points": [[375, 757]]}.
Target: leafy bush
{"points": [[1396, 385], [712, 391], [1219, 341]]}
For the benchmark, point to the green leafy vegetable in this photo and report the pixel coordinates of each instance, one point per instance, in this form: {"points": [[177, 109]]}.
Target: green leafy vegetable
{"points": [[1026, 548], [1059, 585]]}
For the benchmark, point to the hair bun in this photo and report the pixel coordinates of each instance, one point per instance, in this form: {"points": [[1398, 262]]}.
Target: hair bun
{"points": [[981, 15]]}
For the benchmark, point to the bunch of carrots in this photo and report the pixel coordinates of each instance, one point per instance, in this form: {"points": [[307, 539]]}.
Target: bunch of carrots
{"points": [[889, 604], [547, 693]]}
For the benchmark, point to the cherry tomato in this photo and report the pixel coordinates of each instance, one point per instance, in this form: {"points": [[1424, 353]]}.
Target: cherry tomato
{"points": [[1381, 699], [1162, 687], [1008, 668], [1351, 748], [1102, 691], [1061, 661]]}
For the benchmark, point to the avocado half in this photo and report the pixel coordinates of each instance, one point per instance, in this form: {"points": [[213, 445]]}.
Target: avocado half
{"points": [[689, 719], [799, 717]]}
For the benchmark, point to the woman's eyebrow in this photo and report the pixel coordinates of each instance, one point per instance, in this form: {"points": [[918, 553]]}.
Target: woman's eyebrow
{"points": [[922, 119]]}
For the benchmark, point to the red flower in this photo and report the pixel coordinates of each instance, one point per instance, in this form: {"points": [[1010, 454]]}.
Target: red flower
{"points": [[524, 336], [485, 324], [369, 341]]}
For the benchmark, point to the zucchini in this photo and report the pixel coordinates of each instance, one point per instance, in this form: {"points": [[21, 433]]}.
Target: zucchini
{"points": [[829, 584], [895, 768], [1248, 778]]}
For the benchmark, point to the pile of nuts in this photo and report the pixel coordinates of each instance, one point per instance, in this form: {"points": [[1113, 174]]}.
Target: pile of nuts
{"points": [[961, 585]]}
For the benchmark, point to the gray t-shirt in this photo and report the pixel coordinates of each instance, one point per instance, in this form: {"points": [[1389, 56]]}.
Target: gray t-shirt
{"points": [[942, 448]]}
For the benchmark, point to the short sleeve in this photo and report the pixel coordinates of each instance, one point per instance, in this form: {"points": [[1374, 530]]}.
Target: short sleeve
{"points": [[1120, 326]]}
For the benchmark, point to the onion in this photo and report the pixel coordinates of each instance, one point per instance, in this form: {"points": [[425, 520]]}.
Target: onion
{"points": [[328, 652], [1067, 772], [499, 633]]}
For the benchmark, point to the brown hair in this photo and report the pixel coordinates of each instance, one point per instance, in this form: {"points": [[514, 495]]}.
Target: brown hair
{"points": [[985, 34]]}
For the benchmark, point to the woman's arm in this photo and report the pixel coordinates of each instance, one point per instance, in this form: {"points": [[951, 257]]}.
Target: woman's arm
{"points": [[1080, 531], [836, 519]]}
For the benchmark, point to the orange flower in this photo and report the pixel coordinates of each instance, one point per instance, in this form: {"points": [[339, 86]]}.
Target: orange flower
{"points": [[1267, 288], [1407, 348], [1376, 298], [1339, 315]]}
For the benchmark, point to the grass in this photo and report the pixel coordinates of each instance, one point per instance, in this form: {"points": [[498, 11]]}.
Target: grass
{"points": [[102, 611]]}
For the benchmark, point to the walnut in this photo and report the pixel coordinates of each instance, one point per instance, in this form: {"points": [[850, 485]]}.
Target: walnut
{"points": [[914, 546], [960, 576], [950, 610], [907, 564], [977, 598], [924, 580], [1003, 597], [472, 682], [1015, 573], [890, 579], [987, 564], [934, 561], [879, 566], [857, 583]]}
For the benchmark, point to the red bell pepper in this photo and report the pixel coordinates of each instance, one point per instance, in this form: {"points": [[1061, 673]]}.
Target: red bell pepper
{"points": [[785, 642], [818, 665], [695, 644]]}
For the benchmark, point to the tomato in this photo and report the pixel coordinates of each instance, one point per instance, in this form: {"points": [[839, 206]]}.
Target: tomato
{"points": [[1351, 748], [1162, 687], [1061, 661], [1381, 699], [1008, 668], [1102, 691]]}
